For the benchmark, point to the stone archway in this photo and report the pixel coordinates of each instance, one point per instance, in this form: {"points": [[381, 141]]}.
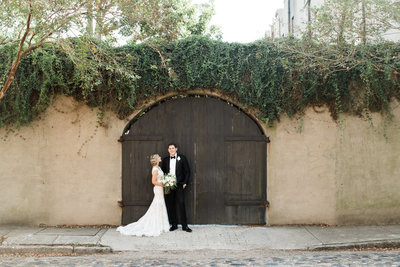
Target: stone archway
{"points": [[226, 150]]}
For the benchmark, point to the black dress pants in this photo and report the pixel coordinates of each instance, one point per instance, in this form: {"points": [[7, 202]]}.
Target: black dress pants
{"points": [[175, 201]]}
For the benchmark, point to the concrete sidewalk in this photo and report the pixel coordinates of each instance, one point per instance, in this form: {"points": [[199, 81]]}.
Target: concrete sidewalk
{"points": [[87, 240]]}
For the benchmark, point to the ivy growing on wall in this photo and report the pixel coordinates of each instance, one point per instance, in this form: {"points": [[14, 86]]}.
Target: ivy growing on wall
{"points": [[276, 77]]}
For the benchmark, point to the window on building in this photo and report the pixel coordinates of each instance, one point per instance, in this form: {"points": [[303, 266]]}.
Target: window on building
{"points": [[292, 24]]}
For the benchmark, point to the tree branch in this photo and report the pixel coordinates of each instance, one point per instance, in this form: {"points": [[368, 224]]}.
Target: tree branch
{"points": [[15, 64]]}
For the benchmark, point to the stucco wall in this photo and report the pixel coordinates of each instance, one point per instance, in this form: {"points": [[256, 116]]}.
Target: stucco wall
{"points": [[320, 171], [64, 169], [301, 170]]}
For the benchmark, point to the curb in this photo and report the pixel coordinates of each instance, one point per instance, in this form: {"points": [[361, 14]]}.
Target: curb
{"points": [[64, 250], [358, 245]]}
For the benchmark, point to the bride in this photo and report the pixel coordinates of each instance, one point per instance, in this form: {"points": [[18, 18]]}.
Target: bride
{"points": [[155, 220]]}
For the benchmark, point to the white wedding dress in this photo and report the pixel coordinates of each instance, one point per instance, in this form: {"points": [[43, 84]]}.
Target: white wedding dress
{"points": [[155, 220]]}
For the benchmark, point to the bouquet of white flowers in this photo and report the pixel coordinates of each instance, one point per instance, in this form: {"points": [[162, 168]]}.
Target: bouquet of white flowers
{"points": [[169, 182]]}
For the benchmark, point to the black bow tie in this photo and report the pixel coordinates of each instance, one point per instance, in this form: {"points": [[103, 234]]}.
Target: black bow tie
{"points": [[173, 157]]}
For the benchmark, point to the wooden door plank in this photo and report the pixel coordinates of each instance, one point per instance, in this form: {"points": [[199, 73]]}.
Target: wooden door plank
{"points": [[226, 153]]}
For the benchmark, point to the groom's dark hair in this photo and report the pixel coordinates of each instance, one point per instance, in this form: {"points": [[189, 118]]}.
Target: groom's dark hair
{"points": [[172, 144]]}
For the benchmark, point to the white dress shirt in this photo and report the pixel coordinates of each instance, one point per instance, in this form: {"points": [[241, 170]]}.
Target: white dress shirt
{"points": [[172, 165]]}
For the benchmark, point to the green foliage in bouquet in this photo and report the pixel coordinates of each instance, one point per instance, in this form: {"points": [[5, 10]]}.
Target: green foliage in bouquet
{"points": [[169, 182]]}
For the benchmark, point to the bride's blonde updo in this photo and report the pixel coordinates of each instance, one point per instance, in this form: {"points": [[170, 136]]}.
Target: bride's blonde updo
{"points": [[153, 159]]}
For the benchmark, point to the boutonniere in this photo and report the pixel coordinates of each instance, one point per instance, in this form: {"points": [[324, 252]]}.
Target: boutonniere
{"points": [[178, 158]]}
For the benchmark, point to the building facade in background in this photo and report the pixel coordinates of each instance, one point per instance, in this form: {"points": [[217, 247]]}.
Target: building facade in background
{"points": [[296, 14]]}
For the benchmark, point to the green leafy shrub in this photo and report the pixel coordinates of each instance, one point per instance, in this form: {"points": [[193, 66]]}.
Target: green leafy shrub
{"points": [[276, 77]]}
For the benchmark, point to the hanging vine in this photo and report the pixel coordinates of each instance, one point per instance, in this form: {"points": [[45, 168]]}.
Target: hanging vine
{"points": [[276, 77]]}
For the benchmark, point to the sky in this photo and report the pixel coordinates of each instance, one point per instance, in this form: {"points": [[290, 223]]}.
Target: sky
{"points": [[244, 21]]}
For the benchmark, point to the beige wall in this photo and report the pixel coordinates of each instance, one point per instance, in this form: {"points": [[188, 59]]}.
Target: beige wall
{"points": [[64, 169], [322, 172], [301, 185]]}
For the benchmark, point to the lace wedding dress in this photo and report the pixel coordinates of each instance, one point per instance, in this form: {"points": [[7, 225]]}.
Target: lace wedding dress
{"points": [[155, 220]]}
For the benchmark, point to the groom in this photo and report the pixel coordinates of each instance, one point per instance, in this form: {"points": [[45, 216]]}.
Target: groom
{"points": [[176, 164]]}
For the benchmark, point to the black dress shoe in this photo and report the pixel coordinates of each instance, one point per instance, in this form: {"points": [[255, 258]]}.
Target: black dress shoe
{"points": [[187, 229], [173, 228]]}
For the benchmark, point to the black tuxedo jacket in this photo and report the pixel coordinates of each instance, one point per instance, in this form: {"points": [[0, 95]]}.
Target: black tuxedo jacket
{"points": [[182, 168]]}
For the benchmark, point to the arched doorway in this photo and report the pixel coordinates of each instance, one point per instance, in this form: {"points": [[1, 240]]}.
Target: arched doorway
{"points": [[226, 150]]}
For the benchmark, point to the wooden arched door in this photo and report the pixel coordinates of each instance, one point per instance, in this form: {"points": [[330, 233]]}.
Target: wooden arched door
{"points": [[226, 151]]}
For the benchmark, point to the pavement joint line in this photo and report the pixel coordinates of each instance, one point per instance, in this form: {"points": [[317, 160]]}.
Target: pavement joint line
{"points": [[308, 230], [41, 230], [100, 229], [101, 235]]}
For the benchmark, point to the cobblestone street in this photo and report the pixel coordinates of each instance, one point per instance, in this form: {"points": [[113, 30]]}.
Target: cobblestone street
{"points": [[218, 258]]}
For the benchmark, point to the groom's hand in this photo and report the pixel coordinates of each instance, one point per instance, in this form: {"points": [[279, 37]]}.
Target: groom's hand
{"points": [[184, 186]]}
